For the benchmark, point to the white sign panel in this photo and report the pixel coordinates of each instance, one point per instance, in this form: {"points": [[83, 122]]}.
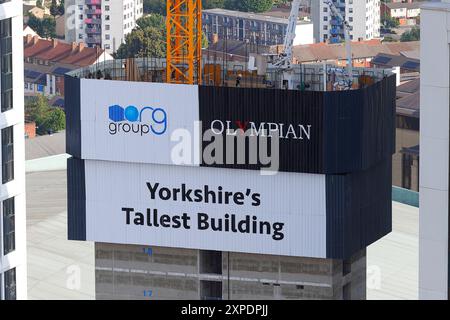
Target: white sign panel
{"points": [[134, 121], [206, 208]]}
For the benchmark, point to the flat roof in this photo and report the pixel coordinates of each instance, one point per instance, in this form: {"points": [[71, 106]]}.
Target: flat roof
{"points": [[45, 146], [407, 5], [252, 16], [393, 261], [51, 258]]}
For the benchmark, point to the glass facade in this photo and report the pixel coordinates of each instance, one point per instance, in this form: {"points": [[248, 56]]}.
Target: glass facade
{"points": [[6, 65], [7, 155], [10, 284], [9, 244]]}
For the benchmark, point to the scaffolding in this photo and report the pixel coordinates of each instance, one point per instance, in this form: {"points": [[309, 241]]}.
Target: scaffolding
{"points": [[184, 41]]}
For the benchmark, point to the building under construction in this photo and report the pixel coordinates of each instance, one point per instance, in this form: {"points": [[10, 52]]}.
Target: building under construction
{"points": [[205, 180], [337, 182]]}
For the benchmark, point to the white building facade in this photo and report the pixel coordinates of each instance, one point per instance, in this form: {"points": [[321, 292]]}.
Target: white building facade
{"points": [[362, 15], [13, 279], [434, 151], [103, 23]]}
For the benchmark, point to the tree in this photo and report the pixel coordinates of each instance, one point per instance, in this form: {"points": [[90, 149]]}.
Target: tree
{"points": [[412, 35], [61, 8], [212, 4], [153, 20], [46, 28], [389, 22], [55, 121], [39, 4], [54, 8], [155, 6], [249, 5], [150, 42], [46, 117]]}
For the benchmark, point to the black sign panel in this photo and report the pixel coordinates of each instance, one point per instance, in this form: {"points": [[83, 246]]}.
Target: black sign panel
{"points": [[295, 117], [320, 132]]}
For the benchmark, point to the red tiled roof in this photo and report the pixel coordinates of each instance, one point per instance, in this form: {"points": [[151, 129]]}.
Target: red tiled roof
{"points": [[361, 49], [60, 52]]}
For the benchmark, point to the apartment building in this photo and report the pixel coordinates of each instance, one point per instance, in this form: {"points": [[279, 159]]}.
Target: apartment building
{"points": [[363, 17], [259, 29], [101, 23], [13, 280]]}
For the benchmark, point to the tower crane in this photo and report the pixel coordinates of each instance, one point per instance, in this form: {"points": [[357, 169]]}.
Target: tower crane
{"points": [[283, 62], [347, 74], [284, 59], [184, 37]]}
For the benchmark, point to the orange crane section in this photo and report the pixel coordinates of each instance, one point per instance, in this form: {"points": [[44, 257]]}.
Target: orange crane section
{"points": [[184, 41]]}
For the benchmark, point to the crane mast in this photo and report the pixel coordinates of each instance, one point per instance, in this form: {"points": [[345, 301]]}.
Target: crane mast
{"points": [[348, 45], [184, 38], [284, 60]]}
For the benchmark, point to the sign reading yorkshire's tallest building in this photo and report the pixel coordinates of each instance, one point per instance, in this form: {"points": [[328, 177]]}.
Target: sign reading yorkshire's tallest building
{"points": [[153, 165]]}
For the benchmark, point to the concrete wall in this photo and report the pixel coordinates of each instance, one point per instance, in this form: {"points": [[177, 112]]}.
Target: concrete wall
{"points": [[136, 272], [16, 187], [434, 151]]}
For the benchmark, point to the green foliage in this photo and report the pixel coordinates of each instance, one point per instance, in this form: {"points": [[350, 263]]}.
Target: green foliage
{"points": [[55, 121], [153, 20], [46, 28], [249, 5], [155, 6], [54, 8], [61, 8], [147, 42], [412, 35], [211, 4], [46, 117], [39, 4], [205, 42], [389, 22]]}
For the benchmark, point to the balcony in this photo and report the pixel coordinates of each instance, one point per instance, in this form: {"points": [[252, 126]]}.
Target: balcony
{"points": [[93, 21], [335, 31], [94, 11], [93, 30], [94, 40]]}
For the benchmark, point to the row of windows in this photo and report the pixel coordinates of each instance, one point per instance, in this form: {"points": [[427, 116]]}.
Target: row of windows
{"points": [[7, 227], [8, 291], [6, 65]]}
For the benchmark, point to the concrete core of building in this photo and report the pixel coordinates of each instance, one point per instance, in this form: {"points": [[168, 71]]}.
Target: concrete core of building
{"points": [[136, 272]]}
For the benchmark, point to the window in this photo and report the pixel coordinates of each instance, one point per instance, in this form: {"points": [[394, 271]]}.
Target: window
{"points": [[7, 155], [6, 65], [210, 262], [210, 290], [8, 226], [10, 284]]}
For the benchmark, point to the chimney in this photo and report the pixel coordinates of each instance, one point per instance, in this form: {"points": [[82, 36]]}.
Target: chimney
{"points": [[74, 46], [29, 38], [54, 43], [81, 46], [35, 39]]}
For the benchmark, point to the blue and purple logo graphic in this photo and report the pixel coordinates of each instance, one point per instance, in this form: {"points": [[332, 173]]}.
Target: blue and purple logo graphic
{"points": [[131, 120]]}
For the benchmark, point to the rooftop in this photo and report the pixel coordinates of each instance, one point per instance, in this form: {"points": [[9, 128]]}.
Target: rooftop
{"points": [[57, 51], [307, 77], [408, 94], [391, 60], [360, 49], [407, 5], [266, 17]]}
